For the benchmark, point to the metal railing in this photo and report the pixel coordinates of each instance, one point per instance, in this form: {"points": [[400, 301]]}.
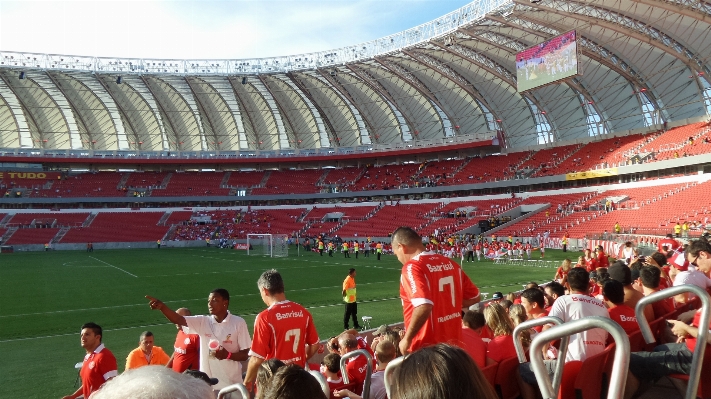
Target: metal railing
{"points": [[368, 373], [701, 338], [521, 352], [620, 368], [238, 387]]}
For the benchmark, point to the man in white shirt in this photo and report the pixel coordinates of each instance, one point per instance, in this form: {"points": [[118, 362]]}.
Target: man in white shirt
{"points": [[687, 275], [224, 337], [581, 345]]}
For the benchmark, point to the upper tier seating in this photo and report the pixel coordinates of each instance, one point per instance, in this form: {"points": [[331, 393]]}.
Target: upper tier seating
{"points": [[145, 179], [52, 219], [193, 183], [242, 179], [387, 219], [343, 177], [388, 177], [666, 144], [101, 184], [119, 227], [291, 182], [606, 152]]}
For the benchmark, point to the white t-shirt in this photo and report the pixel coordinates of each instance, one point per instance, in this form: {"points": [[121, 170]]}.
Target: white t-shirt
{"points": [[693, 277], [575, 307], [377, 385], [232, 334]]}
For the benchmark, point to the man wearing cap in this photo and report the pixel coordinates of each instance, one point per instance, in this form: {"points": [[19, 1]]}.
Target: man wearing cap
{"points": [[227, 332], [147, 353], [99, 364], [687, 275], [496, 298], [186, 349], [349, 297], [284, 331], [433, 289], [648, 367]]}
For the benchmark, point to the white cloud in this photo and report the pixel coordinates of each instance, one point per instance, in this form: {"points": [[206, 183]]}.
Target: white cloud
{"points": [[205, 29]]}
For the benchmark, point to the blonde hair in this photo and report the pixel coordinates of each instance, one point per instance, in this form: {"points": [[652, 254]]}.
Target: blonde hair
{"points": [[497, 320], [566, 265], [518, 316]]}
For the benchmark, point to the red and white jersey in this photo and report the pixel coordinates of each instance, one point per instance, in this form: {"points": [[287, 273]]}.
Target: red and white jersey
{"points": [[282, 331], [432, 279], [528, 246], [98, 367], [187, 352]]}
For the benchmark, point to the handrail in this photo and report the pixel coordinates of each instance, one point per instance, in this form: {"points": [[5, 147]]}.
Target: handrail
{"points": [[321, 381], [368, 373], [389, 369], [233, 388], [618, 378], [701, 338], [558, 375]]}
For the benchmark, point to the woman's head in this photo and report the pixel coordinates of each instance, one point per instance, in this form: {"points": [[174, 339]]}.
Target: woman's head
{"points": [[441, 372], [566, 265], [497, 320], [265, 374], [293, 382]]}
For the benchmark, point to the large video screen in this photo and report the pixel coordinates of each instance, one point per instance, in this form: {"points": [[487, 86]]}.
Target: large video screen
{"points": [[547, 62]]}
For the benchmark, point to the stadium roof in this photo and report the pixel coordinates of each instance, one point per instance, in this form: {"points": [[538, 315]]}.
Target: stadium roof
{"points": [[643, 62]]}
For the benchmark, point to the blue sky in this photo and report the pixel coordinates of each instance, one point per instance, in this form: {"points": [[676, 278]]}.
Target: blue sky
{"points": [[205, 29]]}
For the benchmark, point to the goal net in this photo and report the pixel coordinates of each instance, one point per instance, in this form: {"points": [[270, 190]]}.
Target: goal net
{"points": [[272, 245]]}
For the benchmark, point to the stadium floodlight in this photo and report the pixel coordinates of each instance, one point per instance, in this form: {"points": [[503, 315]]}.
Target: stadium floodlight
{"points": [[271, 245]]}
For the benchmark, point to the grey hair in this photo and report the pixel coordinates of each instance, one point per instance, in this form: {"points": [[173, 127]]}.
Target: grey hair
{"points": [[272, 281], [154, 382]]}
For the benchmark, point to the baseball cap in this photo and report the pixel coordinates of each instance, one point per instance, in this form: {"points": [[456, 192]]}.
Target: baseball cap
{"points": [[620, 272], [201, 376], [381, 330], [679, 261], [497, 295]]}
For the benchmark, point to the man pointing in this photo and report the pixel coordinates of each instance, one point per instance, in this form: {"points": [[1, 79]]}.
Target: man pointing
{"points": [[224, 337]]}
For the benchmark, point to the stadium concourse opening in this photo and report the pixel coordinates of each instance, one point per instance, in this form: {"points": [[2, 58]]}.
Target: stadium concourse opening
{"points": [[559, 151]]}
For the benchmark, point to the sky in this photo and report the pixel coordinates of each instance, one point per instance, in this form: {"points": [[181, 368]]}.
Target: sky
{"points": [[232, 29]]}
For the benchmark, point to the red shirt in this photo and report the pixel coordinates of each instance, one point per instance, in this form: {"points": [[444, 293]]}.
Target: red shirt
{"points": [[187, 352], [691, 341], [544, 313], [500, 348], [663, 307], [96, 369], [671, 244], [474, 346], [357, 368], [335, 384], [625, 317], [591, 264], [433, 279], [282, 331], [602, 260]]}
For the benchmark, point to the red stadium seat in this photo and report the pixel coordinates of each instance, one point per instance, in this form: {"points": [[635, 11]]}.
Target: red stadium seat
{"points": [[490, 374], [504, 383], [589, 384]]}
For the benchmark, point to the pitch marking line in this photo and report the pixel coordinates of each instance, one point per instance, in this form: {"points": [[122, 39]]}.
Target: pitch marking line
{"points": [[173, 301], [163, 324], [115, 267]]}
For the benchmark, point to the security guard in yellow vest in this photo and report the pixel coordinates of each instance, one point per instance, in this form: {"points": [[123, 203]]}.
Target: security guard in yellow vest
{"points": [[349, 297]]}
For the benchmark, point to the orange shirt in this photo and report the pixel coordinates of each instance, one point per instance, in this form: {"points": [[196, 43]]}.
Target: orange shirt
{"points": [[137, 359], [349, 284]]}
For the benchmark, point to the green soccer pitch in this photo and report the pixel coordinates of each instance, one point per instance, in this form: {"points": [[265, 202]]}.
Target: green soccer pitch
{"points": [[45, 297]]}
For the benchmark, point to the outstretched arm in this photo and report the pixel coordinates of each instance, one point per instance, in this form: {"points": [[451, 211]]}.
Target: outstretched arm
{"points": [[167, 312]]}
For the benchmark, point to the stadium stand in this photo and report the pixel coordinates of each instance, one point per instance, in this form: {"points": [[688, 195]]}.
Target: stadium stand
{"points": [[100, 184], [246, 179], [291, 182], [119, 227], [193, 183], [48, 219]]}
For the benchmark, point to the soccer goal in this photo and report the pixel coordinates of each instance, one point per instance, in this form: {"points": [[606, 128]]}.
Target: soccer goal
{"points": [[272, 245]]}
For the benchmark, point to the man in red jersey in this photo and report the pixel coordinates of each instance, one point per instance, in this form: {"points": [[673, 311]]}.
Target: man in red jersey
{"points": [[186, 353], [433, 289], [99, 363], [669, 242], [285, 330], [614, 293]]}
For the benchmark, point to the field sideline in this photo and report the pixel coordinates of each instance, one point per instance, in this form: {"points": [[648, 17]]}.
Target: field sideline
{"points": [[46, 296]]}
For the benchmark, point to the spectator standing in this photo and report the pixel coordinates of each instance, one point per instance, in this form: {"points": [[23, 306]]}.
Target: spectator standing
{"points": [[227, 332], [581, 345], [147, 354], [284, 331], [99, 364], [349, 297], [433, 289], [186, 350]]}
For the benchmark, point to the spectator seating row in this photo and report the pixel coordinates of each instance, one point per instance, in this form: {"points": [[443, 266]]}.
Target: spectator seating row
{"points": [[119, 227]]}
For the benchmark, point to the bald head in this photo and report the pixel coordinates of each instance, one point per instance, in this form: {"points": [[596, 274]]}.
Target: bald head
{"points": [[407, 237], [348, 342], [183, 312]]}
